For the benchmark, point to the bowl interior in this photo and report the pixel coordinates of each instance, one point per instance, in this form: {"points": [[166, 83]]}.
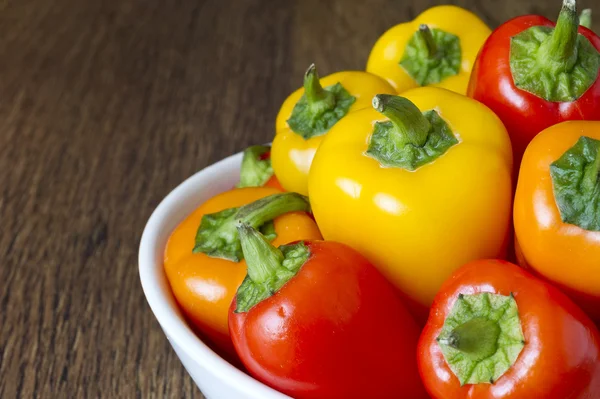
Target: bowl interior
{"points": [[171, 211]]}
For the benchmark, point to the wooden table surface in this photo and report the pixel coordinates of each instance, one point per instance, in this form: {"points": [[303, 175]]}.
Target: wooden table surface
{"points": [[105, 106]]}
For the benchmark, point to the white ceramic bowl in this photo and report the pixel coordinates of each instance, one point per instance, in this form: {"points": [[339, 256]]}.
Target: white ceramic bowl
{"points": [[216, 378]]}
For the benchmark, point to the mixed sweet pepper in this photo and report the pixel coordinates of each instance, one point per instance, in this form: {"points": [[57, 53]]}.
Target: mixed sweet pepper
{"points": [[364, 253]]}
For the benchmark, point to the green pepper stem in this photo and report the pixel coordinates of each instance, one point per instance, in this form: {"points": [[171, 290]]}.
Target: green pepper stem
{"points": [[269, 268], [478, 338], [410, 125], [427, 39], [217, 234], [559, 51], [585, 18], [262, 259], [254, 171], [482, 337], [317, 97], [591, 175], [259, 212]]}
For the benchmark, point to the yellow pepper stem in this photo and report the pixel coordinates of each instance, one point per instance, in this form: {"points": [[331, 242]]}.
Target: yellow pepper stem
{"points": [[319, 108], [410, 126], [428, 41], [318, 98]]}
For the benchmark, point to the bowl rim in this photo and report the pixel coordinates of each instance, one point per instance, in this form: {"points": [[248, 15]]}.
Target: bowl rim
{"points": [[161, 300]]}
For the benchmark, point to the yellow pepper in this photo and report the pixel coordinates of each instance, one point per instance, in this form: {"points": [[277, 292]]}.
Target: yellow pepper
{"points": [[308, 114], [420, 185], [438, 48]]}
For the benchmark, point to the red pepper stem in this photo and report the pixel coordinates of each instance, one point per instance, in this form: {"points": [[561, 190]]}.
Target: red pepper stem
{"points": [[256, 167], [262, 259], [317, 97], [477, 337], [269, 268], [427, 38], [559, 52], [591, 175], [410, 125], [585, 18], [485, 328]]}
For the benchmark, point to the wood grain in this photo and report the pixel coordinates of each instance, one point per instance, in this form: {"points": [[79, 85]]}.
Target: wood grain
{"points": [[105, 106]]}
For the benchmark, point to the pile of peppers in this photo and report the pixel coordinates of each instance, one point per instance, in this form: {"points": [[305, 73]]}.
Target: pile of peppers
{"points": [[426, 228]]}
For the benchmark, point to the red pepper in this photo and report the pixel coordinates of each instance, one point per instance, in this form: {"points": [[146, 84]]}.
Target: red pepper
{"points": [[496, 331], [534, 75], [316, 320]]}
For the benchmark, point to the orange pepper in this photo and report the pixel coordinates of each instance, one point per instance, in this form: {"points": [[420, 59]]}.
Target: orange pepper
{"points": [[557, 210], [204, 286]]}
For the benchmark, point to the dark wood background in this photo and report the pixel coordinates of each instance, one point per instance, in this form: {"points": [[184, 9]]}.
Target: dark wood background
{"points": [[105, 106]]}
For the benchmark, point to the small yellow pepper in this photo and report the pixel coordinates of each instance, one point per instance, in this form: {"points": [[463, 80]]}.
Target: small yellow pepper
{"points": [[308, 114], [438, 48], [420, 185]]}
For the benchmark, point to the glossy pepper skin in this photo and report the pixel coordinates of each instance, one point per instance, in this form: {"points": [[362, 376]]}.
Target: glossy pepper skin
{"points": [[417, 226], [336, 329], [564, 253], [391, 47], [523, 113], [291, 153], [204, 286], [560, 357]]}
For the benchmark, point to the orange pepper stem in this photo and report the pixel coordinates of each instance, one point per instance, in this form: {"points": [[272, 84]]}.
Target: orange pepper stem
{"points": [[217, 234], [591, 176], [427, 40], [268, 208], [559, 52], [318, 98], [410, 126]]}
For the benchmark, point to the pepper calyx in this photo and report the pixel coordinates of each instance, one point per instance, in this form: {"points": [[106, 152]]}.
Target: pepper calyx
{"points": [[256, 168], [319, 108], [218, 236], [585, 18], [557, 64], [269, 268], [481, 337], [410, 139], [432, 55], [576, 184]]}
